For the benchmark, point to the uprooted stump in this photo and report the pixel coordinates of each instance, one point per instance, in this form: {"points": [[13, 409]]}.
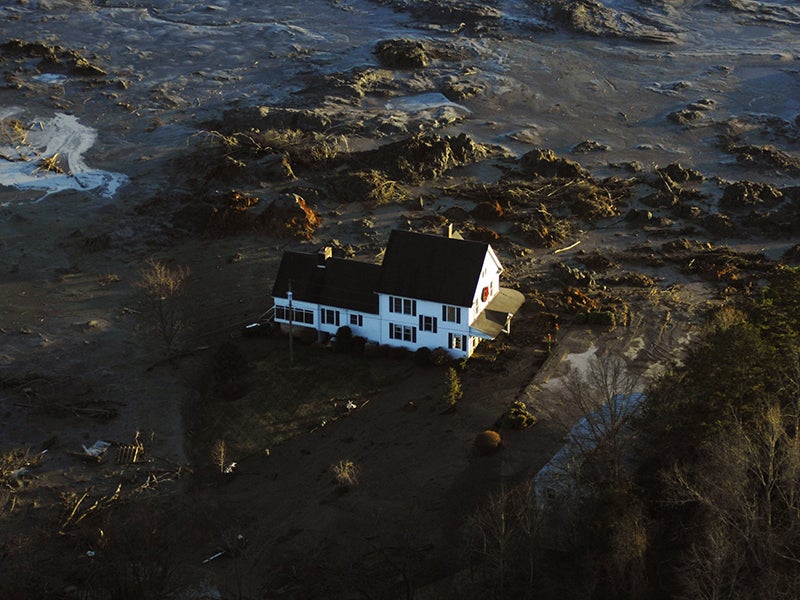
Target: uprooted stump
{"points": [[289, 215]]}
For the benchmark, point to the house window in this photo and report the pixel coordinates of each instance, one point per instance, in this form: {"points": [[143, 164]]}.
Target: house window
{"points": [[404, 306], [329, 316], [427, 323], [357, 320], [451, 314], [405, 333], [457, 342], [298, 315]]}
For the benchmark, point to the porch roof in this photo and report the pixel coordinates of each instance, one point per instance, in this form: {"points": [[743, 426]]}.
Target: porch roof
{"points": [[495, 317]]}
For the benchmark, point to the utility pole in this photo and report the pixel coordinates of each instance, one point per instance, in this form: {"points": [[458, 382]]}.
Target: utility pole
{"points": [[291, 314]]}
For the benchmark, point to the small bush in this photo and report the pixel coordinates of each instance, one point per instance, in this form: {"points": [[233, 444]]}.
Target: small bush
{"points": [[344, 339], [517, 416], [359, 344], [399, 353], [422, 356], [440, 357], [487, 442], [453, 392], [345, 473]]}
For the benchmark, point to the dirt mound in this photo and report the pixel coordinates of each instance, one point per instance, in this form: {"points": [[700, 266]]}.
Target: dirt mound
{"points": [[52, 58], [717, 263], [472, 16], [591, 17], [691, 113], [371, 187], [588, 146], [262, 118], [491, 211], [413, 54], [677, 173], [746, 194], [763, 156], [543, 162], [290, 216], [542, 229], [425, 156]]}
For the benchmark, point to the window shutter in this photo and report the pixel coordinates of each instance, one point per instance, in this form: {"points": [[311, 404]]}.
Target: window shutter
{"points": [[434, 324], [414, 335], [458, 315], [444, 313], [464, 342], [337, 318], [449, 340], [420, 322]]}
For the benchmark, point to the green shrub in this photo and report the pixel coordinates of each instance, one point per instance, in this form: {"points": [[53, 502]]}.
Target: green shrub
{"points": [[517, 416], [453, 392]]}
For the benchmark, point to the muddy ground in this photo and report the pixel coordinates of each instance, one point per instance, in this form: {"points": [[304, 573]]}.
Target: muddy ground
{"points": [[630, 169]]}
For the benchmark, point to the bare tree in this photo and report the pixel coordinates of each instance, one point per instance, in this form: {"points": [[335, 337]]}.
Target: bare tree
{"points": [[596, 406], [164, 287], [746, 483]]}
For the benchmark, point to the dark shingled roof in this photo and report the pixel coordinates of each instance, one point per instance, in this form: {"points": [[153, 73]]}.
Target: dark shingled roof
{"points": [[344, 283], [431, 267]]}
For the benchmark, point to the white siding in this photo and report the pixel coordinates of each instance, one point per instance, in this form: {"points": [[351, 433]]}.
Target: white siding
{"points": [[489, 278], [412, 317]]}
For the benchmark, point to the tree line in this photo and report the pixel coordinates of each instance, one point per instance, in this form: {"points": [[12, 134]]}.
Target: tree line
{"points": [[696, 494]]}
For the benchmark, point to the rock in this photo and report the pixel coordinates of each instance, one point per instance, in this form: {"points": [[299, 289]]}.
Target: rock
{"points": [[542, 162]]}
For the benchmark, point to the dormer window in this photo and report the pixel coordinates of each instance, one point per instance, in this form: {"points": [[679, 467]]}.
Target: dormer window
{"points": [[403, 306], [452, 314]]}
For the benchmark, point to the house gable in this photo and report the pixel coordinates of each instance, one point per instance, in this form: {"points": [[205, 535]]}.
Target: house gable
{"points": [[430, 267]]}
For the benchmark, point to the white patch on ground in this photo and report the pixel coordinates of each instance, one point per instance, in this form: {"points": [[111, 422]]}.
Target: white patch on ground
{"points": [[422, 102], [577, 361], [62, 135]]}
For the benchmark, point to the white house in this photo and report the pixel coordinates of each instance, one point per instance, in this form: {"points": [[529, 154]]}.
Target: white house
{"points": [[431, 291]]}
